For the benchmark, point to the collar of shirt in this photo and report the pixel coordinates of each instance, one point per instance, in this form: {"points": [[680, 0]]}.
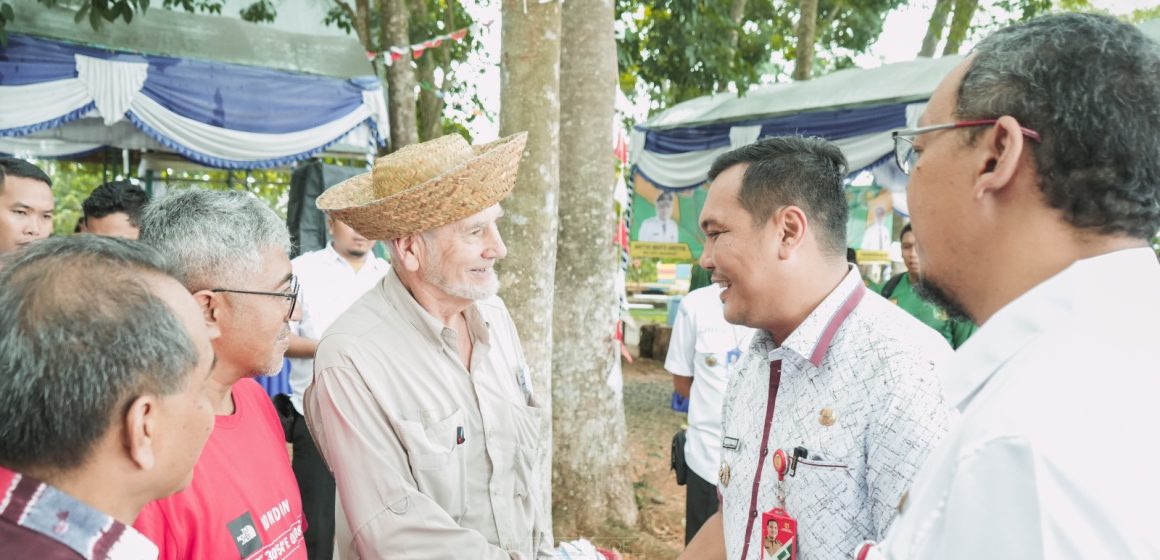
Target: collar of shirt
{"points": [[40, 507], [369, 259], [811, 339], [1036, 311], [401, 299]]}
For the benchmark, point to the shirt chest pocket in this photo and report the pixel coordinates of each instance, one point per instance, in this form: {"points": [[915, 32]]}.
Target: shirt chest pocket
{"points": [[436, 455], [830, 467], [717, 341], [526, 424]]}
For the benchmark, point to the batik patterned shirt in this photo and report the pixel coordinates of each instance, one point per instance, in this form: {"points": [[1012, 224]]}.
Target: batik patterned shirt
{"points": [[39, 521], [854, 387]]}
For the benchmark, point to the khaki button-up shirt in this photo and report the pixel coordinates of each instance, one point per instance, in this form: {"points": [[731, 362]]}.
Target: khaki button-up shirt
{"points": [[432, 460]]}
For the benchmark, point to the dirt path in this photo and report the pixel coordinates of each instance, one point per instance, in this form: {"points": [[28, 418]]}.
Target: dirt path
{"points": [[651, 422]]}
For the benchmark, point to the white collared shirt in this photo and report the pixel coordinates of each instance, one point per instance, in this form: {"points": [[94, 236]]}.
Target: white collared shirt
{"points": [[873, 367], [700, 348], [1056, 452], [657, 230], [328, 285]]}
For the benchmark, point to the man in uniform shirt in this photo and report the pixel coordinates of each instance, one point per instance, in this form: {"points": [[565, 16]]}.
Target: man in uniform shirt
{"points": [[661, 228], [702, 349], [835, 404], [1035, 189], [905, 291], [103, 403], [421, 402], [330, 279]]}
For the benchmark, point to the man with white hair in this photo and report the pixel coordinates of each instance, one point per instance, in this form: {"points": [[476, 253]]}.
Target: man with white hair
{"points": [[422, 402], [243, 503]]}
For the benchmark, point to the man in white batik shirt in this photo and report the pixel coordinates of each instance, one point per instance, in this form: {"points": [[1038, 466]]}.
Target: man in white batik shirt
{"points": [[836, 403], [1035, 193]]}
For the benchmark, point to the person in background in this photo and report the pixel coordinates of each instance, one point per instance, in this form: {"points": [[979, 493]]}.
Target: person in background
{"points": [[661, 228], [331, 279], [103, 403], [231, 252], [114, 209], [26, 204], [906, 291], [702, 349]]}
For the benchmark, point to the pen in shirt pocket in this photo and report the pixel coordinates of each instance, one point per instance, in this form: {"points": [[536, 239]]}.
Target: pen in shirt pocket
{"points": [[459, 438]]}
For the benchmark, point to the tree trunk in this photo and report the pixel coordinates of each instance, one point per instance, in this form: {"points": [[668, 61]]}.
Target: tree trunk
{"points": [[430, 109], [400, 75], [806, 34], [736, 11], [960, 24], [530, 101], [934, 29], [591, 478]]}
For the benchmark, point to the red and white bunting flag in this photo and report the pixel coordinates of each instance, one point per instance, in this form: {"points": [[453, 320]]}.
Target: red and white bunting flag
{"points": [[458, 34], [417, 51]]}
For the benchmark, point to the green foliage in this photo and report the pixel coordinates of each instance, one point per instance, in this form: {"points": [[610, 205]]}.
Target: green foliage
{"points": [[427, 19], [99, 11], [1145, 14], [682, 49]]}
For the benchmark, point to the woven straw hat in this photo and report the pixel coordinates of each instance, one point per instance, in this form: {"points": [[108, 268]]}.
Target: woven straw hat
{"points": [[424, 186]]}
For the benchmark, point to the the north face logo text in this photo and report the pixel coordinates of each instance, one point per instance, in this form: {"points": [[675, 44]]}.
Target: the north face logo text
{"points": [[245, 534]]}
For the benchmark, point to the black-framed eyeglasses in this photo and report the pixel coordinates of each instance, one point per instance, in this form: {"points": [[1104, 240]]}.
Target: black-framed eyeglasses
{"points": [[906, 157], [292, 295]]}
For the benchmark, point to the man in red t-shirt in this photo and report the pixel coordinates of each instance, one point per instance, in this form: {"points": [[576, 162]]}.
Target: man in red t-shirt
{"points": [[243, 502]]}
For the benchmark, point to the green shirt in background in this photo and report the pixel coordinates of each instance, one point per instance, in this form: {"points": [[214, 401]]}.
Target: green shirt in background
{"points": [[956, 331]]}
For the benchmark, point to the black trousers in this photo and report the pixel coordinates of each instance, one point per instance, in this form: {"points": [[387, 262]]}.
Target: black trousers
{"points": [[700, 504], [316, 485]]}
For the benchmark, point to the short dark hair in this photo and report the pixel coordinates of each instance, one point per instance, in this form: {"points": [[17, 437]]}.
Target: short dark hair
{"points": [[1090, 85], [665, 195], [82, 333], [905, 230], [17, 167], [113, 197], [806, 172]]}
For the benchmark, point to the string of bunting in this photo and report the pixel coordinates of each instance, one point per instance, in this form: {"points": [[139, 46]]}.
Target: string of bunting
{"points": [[395, 54]]}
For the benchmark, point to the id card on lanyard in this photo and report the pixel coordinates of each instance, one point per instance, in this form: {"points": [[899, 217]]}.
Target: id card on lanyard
{"points": [[778, 527]]}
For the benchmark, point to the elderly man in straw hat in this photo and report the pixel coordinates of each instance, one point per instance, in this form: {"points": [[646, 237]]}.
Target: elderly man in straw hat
{"points": [[421, 401]]}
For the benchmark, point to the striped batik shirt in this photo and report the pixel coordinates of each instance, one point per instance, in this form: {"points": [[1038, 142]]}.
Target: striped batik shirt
{"points": [[39, 521]]}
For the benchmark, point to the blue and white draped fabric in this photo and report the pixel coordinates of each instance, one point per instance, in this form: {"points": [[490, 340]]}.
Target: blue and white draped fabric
{"points": [[217, 114], [855, 108], [678, 158]]}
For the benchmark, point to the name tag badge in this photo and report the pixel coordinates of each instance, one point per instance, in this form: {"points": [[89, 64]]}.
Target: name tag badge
{"points": [[730, 442]]}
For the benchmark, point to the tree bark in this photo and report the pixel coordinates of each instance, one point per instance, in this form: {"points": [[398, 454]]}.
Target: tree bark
{"points": [[530, 101], [736, 11], [592, 481], [960, 24], [934, 29], [430, 109], [806, 35], [400, 75]]}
